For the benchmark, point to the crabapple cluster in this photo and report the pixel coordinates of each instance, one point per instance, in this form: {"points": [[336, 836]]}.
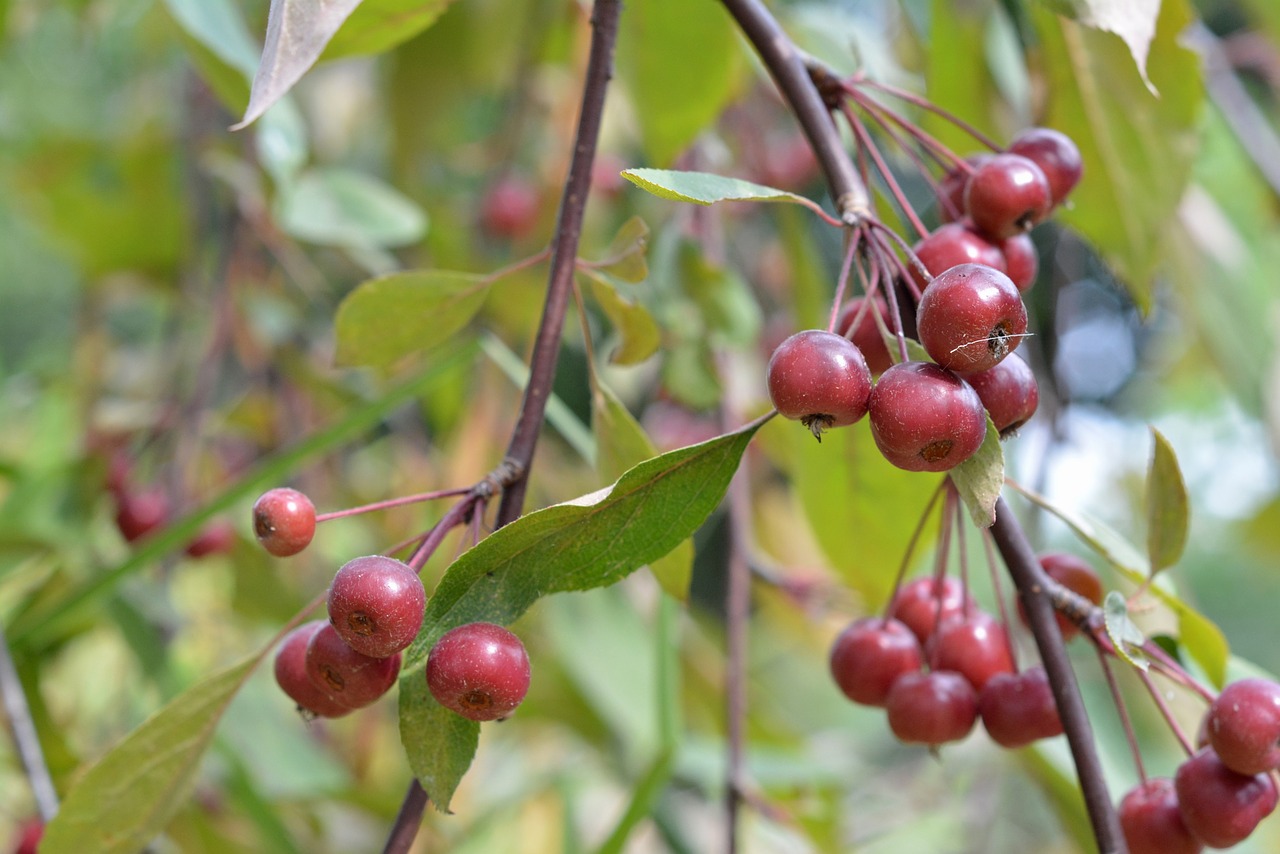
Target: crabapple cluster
{"points": [[1220, 793], [937, 663], [932, 416], [142, 510], [376, 606]]}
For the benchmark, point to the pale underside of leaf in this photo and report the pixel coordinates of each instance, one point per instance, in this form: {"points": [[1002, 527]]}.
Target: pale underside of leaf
{"points": [[297, 32]]}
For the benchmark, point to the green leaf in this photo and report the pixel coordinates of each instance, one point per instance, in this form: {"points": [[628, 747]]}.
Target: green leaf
{"points": [[622, 443], [1125, 636], [440, 744], [1203, 640], [1137, 148], [625, 259], [1167, 510], [220, 46], [592, 541], [340, 207], [128, 797], [379, 25], [1134, 21], [297, 32], [387, 318], [680, 62], [704, 188], [637, 328], [980, 478]]}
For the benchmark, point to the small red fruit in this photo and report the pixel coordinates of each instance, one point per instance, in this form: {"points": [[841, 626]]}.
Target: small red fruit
{"points": [[291, 674], [1056, 155], [347, 677], [1152, 822], [284, 521], [931, 708], [970, 317], [1007, 195], [1021, 261], [480, 670], [952, 244], [870, 655], [1076, 575], [922, 602], [140, 513], [820, 379], [509, 209], [925, 418], [1220, 807], [1018, 708], [376, 605], [217, 537], [973, 644], [1243, 725], [858, 324], [1008, 391]]}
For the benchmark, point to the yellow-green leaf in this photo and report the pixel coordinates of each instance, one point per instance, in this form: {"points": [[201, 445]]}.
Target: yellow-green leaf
{"points": [[1167, 506]]}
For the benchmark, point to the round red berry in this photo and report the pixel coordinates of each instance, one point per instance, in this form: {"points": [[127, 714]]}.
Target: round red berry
{"points": [[376, 605], [1018, 708], [1220, 807], [479, 670], [952, 244], [1152, 822], [1008, 391], [284, 521], [349, 678], [820, 379], [921, 603], [925, 418], [870, 655], [1007, 195], [970, 317], [972, 643], [1243, 726], [1057, 156], [291, 675], [857, 322], [931, 708]]}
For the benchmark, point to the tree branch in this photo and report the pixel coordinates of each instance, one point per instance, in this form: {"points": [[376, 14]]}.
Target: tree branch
{"points": [[787, 65], [564, 254], [788, 68], [1032, 586]]}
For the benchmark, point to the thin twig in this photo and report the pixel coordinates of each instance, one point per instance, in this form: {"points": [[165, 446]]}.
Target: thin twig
{"points": [[25, 737], [564, 254]]}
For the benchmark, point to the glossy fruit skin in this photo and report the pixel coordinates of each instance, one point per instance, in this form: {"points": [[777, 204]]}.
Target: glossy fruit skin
{"points": [[952, 187], [866, 334], [217, 537], [1220, 807], [931, 708], [509, 208], [925, 418], [952, 244], [480, 670], [973, 644], [869, 656], [1075, 574], [1152, 822], [970, 317], [291, 674], [1057, 156], [1018, 708], [376, 605], [1021, 261], [1243, 726], [1008, 391], [1007, 195], [347, 677], [284, 521], [141, 512], [820, 379], [917, 605]]}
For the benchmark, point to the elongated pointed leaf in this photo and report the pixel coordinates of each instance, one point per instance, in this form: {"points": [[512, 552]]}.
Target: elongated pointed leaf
{"points": [[297, 32], [622, 443], [704, 188], [980, 479], [1167, 506], [1134, 21], [125, 800], [625, 258], [1137, 148], [591, 541], [387, 318], [440, 744]]}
